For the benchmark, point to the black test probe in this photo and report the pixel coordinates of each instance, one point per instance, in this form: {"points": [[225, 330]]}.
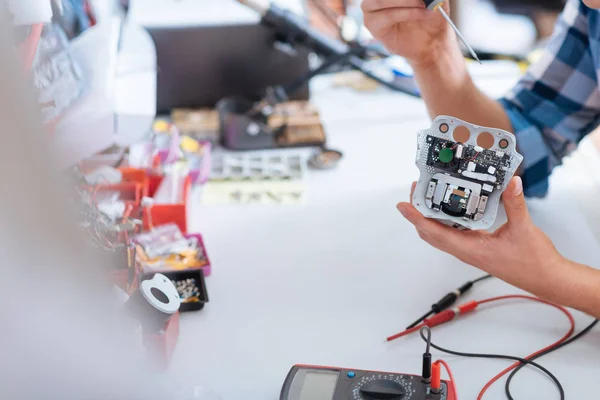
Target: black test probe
{"points": [[448, 300]]}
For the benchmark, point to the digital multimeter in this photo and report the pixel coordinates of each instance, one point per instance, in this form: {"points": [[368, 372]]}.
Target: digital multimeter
{"points": [[307, 382]]}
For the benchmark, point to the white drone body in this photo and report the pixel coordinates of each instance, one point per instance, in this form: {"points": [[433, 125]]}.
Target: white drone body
{"points": [[465, 169]]}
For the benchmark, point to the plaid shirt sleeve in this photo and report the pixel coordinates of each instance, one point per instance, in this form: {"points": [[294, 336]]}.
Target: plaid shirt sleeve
{"points": [[557, 102]]}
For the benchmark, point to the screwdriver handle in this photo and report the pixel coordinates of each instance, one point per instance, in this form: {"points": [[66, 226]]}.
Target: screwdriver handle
{"points": [[433, 4]]}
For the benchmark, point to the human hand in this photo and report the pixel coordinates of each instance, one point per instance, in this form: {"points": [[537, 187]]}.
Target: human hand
{"points": [[518, 253], [408, 29]]}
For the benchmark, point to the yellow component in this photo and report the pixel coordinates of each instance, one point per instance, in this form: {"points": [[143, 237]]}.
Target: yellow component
{"points": [[189, 145], [523, 66], [160, 125], [192, 300], [184, 260]]}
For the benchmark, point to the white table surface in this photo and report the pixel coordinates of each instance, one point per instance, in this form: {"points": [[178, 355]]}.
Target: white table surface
{"points": [[326, 282]]}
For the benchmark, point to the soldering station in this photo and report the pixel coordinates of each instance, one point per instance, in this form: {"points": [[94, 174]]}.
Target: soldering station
{"points": [[234, 140]]}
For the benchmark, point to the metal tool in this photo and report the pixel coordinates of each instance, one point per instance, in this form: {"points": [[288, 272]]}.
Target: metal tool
{"points": [[437, 5]]}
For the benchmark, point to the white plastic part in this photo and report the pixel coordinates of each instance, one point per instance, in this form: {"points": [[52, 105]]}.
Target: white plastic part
{"points": [[118, 104], [422, 198], [147, 202], [459, 151], [30, 12], [112, 209], [163, 284], [104, 175]]}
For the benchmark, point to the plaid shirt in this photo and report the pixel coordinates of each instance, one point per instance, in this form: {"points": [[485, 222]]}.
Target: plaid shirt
{"points": [[557, 102]]}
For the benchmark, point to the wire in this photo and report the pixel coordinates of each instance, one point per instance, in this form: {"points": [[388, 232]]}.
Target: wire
{"points": [[503, 357], [568, 342], [520, 360], [291, 88], [563, 339], [426, 332], [421, 319], [450, 375], [483, 278], [328, 63]]}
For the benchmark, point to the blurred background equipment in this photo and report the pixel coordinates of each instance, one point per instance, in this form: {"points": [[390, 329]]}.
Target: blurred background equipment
{"points": [[245, 124], [543, 13], [94, 72], [205, 56]]}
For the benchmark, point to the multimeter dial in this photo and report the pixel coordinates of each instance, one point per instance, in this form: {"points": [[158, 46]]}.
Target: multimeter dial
{"points": [[306, 382], [381, 386]]}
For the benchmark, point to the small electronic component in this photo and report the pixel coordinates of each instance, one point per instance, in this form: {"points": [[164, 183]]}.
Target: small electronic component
{"points": [[464, 170], [188, 290]]}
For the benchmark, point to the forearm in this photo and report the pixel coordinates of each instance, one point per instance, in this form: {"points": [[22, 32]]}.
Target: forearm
{"points": [[563, 282], [576, 286], [448, 89]]}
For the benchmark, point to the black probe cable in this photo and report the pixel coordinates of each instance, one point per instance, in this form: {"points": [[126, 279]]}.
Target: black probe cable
{"points": [[551, 350], [448, 300], [501, 357], [284, 92]]}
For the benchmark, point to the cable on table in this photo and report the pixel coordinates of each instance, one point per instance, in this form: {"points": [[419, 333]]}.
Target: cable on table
{"points": [[551, 350], [520, 360]]}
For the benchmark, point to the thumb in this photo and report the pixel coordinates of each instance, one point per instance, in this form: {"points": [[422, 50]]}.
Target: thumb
{"points": [[514, 202]]}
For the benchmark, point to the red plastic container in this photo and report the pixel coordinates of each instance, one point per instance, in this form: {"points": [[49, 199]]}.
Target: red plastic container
{"points": [[139, 176], [167, 213], [120, 278], [162, 346]]}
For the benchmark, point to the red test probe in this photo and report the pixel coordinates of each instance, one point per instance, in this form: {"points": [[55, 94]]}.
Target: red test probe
{"points": [[439, 319], [448, 315], [448, 300]]}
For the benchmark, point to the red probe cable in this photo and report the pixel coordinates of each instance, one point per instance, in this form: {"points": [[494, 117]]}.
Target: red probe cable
{"points": [[449, 315], [449, 372], [513, 366]]}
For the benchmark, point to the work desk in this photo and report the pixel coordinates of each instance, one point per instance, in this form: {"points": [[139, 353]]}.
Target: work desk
{"points": [[324, 283]]}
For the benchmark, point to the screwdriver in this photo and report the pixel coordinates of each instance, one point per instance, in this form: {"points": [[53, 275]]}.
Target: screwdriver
{"points": [[437, 5]]}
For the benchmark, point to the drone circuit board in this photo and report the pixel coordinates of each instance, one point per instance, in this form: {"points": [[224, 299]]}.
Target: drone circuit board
{"points": [[464, 171]]}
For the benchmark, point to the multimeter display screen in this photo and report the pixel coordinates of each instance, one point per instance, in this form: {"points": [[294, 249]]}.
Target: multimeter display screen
{"points": [[319, 385]]}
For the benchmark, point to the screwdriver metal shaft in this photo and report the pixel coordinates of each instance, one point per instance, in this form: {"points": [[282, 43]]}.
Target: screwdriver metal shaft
{"points": [[460, 36]]}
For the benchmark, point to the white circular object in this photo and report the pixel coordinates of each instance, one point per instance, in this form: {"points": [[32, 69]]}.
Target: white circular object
{"points": [[161, 294], [253, 129]]}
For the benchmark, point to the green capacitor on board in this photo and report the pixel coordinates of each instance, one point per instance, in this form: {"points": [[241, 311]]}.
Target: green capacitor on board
{"points": [[446, 155]]}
